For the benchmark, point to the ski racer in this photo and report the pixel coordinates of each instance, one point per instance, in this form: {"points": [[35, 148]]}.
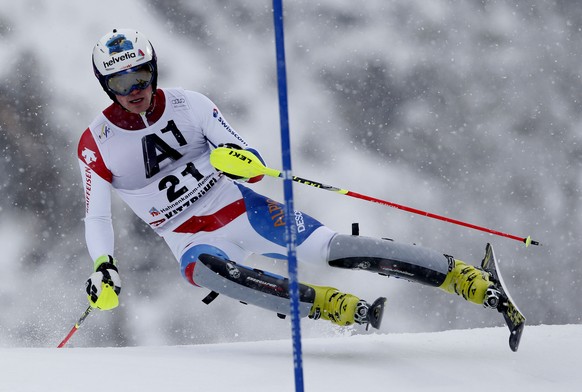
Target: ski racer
{"points": [[152, 147]]}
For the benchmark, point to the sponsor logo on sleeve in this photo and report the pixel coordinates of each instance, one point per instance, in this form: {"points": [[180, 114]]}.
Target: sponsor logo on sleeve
{"points": [[87, 189], [88, 156], [105, 133], [216, 115], [179, 103]]}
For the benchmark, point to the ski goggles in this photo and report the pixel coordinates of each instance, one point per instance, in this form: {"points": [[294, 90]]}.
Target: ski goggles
{"points": [[136, 78]]}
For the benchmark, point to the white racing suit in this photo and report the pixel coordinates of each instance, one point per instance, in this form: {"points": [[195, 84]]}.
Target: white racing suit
{"points": [[158, 163]]}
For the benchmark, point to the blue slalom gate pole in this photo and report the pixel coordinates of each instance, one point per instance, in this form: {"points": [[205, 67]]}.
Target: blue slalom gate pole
{"points": [[290, 227]]}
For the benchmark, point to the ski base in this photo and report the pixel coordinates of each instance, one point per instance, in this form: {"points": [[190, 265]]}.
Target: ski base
{"points": [[514, 319]]}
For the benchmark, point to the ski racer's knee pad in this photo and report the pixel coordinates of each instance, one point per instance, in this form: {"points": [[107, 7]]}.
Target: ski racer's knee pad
{"points": [[190, 257]]}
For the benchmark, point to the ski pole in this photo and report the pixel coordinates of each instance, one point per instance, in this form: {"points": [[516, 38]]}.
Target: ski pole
{"points": [[246, 164], [76, 327]]}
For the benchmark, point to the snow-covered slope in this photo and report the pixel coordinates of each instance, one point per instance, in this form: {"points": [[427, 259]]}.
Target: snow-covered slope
{"points": [[460, 360]]}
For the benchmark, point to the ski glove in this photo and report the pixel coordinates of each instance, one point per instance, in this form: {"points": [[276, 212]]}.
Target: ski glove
{"points": [[104, 285], [238, 178]]}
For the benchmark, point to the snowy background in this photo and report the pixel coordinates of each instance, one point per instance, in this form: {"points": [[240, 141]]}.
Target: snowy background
{"points": [[465, 109]]}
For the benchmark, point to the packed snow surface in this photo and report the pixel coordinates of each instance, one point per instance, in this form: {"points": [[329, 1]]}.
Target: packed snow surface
{"points": [[462, 360]]}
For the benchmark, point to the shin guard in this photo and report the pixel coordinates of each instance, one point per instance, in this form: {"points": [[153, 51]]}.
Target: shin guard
{"points": [[250, 286], [386, 257]]}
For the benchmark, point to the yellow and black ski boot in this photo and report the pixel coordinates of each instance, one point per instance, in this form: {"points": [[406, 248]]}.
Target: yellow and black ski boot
{"points": [[345, 309], [473, 284]]}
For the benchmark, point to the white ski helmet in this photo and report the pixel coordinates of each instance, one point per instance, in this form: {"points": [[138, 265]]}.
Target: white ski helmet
{"points": [[119, 51]]}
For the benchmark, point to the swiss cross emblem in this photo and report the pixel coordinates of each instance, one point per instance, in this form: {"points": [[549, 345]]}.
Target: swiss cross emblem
{"points": [[89, 156]]}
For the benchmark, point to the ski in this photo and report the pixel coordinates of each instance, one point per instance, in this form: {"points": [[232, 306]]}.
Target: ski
{"points": [[514, 319]]}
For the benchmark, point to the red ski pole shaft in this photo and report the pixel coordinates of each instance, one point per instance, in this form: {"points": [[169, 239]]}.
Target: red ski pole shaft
{"points": [[526, 240], [75, 327]]}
